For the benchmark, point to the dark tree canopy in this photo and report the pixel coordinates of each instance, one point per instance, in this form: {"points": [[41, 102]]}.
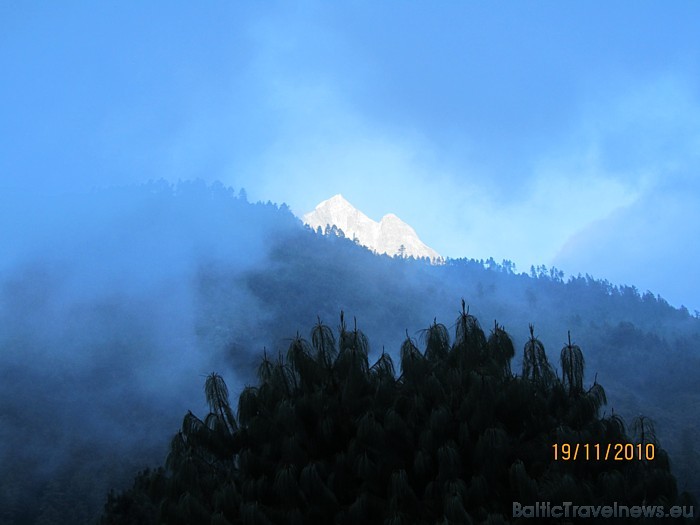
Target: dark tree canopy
{"points": [[456, 438]]}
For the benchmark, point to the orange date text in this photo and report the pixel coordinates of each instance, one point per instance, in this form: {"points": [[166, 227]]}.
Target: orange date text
{"points": [[604, 451]]}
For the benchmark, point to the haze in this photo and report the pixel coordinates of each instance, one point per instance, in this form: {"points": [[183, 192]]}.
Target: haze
{"points": [[544, 133]]}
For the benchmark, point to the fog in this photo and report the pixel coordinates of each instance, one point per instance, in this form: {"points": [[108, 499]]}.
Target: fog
{"points": [[650, 244], [541, 134], [494, 133], [102, 345], [116, 303]]}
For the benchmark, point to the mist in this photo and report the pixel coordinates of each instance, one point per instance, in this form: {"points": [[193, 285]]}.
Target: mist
{"points": [[494, 133], [116, 303], [142, 148], [102, 340]]}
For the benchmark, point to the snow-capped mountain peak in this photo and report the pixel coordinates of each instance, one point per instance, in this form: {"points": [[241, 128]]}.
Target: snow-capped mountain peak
{"points": [[386, 236]]}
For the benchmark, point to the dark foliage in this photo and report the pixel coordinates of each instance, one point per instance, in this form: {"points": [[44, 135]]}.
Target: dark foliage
{"points": [[139, 286], [326, 438]]}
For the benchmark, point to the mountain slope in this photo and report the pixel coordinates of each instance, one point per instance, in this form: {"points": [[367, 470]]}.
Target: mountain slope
{"points": [[386, 236], [105, 332]]}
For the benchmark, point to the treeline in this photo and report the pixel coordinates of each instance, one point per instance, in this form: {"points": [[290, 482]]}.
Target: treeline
{"points": [[634, 340], [454, 437], [129, 290], [625, 292]]}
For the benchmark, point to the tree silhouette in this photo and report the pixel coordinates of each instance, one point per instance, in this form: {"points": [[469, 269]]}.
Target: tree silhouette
{"points": [[326, 438], [536, 366], [572, 365]]}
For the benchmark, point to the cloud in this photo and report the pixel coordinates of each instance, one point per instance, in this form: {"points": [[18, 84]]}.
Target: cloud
{"points": [[650, 244], [649, 130], [325, 146], [649, 138], [620, 140]]}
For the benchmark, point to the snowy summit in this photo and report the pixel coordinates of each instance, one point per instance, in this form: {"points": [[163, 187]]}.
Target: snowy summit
{"points": [[386, 236]]}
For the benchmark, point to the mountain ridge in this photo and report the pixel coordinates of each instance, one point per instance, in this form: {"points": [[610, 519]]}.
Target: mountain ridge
{"points": [[386, 236]]}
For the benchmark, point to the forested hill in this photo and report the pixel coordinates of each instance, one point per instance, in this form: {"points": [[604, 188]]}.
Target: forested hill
{"points": [[645, 351], [116, 303]]}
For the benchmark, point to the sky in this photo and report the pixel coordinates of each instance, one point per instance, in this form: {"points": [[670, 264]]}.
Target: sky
{"points": [[557, 133]]}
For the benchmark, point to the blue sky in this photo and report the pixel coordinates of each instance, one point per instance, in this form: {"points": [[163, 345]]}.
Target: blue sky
{"points": [[562, 133]]}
